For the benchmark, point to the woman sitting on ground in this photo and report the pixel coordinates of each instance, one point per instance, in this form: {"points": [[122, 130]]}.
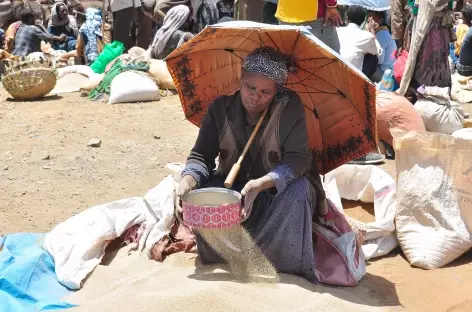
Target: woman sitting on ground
{"points": [[60, 24], [173, 32], [281, 189]]}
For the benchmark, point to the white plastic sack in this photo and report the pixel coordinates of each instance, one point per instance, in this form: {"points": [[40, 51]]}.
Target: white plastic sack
{"points": [[76, 69], [131, 87], [465, 134], [434, 196], [439, 113], [368, 184], [160, 73], [78, 244]]}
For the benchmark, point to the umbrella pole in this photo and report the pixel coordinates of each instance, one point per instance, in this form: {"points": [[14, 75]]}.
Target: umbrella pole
{"points": [[237, 166]]}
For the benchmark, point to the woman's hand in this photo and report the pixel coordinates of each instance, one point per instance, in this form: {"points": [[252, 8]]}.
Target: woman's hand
{"points": [[372, 25], [332, 15], [251, 190], [187, 183]]}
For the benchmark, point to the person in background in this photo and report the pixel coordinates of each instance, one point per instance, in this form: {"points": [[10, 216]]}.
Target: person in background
{"points": [[59, 24], [381, 32], [28, 36], [157, 9], [362, 50], [358, 46], [204, 13], [9, 39], [269, 11], [462, 29], [464, 65], [172, 34], [431, 66], [225, 10], [321, 16], [126, 14], [92, 36]]}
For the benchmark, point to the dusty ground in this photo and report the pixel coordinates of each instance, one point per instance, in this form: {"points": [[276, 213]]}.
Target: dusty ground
{"points": [[138, 140], [48, 173]]}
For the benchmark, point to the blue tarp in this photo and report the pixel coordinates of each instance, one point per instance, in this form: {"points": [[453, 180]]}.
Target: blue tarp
{"points": [[27, 278]]}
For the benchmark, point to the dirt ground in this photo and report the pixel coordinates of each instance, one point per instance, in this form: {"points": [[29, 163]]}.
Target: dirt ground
{"points": [[48, 173]]}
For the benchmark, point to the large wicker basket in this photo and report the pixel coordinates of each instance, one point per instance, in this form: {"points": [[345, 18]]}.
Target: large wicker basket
{"points": [[28, 82]]}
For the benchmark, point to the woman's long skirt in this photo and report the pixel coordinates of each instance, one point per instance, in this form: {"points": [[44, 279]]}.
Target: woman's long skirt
{"points": [[432, 65], [281, 226]]}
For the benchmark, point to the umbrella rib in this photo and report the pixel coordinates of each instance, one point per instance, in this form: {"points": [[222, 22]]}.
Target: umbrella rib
{"points": [[210, 72], [355, 107], [316, 116], [261, 42], [315, 58], [314, 73], [272, 41], [294, 44]]}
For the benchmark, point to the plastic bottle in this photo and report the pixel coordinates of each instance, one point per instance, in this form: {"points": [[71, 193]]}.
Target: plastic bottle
{"points": [[388, 82], [109, 53]]}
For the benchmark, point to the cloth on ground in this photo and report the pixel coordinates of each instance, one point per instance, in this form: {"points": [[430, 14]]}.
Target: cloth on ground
{"points": [[78, 244], [181, 238], [117, 68], [27, 278]]}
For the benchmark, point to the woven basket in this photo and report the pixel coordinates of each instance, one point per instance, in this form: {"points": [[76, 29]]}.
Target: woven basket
{"points": [[29, 84]]}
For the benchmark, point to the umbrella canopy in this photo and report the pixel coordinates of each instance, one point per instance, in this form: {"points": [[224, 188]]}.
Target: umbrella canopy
{"points": [[373, 5], [339, 101]]}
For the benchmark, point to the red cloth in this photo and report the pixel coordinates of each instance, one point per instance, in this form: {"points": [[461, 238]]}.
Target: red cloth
{"points": [[180, 238]]}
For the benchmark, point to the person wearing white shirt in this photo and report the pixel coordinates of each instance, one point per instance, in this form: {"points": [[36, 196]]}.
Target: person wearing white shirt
{"points": [[125, 14], [357, 45]]}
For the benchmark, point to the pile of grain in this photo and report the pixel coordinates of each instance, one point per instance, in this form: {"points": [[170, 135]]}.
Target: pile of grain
{"points": [[245, 260]]}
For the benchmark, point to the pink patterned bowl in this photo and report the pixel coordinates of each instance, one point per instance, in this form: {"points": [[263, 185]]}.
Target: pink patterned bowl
{"points": [[212, 208]]}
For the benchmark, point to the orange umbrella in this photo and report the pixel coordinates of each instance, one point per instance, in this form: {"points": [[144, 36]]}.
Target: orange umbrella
{"points": [[339, 101]]}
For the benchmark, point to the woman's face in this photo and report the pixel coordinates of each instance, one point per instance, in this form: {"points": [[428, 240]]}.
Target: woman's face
{"points": [[378, 19], [257, 92], [62, 11]]}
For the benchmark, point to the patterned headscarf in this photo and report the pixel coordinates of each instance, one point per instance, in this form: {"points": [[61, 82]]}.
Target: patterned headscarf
{"points": [[268, 62]]}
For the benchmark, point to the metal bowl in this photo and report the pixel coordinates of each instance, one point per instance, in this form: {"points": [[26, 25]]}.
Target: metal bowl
{"points": [[212, 208]]}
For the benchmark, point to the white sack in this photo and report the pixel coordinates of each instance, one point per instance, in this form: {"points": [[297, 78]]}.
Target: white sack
{"points": [[160, 73], [465, 134], [78, 244], [439, 113], [160, 213], [434, 196], [76, 69], [369, 184], [131, 86]]}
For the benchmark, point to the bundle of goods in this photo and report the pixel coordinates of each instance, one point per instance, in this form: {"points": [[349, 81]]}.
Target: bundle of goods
{"points": [[29, 80]]}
